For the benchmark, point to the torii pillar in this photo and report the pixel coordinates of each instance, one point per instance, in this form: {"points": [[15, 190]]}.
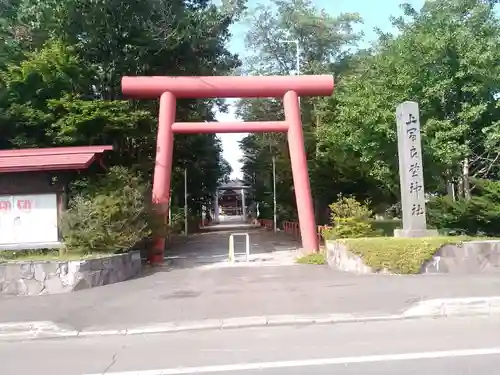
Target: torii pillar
{"points": [[169, 89]]}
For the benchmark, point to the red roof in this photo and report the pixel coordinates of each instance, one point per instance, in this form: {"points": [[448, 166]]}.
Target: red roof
{"points": [[50, 159]]}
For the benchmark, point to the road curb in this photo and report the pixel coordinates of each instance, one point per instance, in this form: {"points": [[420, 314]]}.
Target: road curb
{"points": [[454, 307], [433, 308]]}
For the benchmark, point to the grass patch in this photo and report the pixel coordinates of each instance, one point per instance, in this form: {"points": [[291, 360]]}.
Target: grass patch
{"points": [[46, 255], [313, 258], [399, 255]]}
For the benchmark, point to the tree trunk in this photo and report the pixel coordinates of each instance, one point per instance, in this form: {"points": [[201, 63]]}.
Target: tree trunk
{"points": [[451, 190], [466, 178]]}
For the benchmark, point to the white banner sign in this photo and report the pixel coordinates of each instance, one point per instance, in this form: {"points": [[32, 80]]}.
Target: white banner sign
{"points": [[26, 219]]}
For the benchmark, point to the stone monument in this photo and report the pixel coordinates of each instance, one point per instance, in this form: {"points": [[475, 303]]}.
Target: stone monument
{"points": [[411, 173]]}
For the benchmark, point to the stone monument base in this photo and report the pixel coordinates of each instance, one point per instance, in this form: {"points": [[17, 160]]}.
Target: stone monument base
{"points": [[415, 233]]}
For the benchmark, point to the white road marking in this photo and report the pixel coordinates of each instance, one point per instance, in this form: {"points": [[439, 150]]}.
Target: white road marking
{"points": [[313, 362]]}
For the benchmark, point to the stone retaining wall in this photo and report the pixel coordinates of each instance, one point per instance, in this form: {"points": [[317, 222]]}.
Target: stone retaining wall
{"points": [[469, 257], [466, 258], [53, 277], [339, 257]]}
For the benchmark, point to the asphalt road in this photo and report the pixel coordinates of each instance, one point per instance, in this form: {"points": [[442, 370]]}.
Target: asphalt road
{"points": [[198, 294], [451, 346]]}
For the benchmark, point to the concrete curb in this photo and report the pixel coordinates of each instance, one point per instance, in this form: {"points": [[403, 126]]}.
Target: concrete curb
{"points": [[433, 308], [455, 306]]}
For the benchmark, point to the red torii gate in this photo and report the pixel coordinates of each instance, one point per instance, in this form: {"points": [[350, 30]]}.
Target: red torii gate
{"points": [[169, 89]]}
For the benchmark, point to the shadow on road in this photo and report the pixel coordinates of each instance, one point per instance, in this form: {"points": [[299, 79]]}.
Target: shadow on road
{"points": [[211, 247]]}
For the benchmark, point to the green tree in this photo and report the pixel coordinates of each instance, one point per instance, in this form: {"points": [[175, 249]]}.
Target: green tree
{"points": [[73, 53], [10, 33], [322, 40], [445, 58], [26, 88]]}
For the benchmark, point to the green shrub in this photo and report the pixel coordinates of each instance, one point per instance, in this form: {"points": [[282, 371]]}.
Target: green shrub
{"points": [[351, 227], [386, 227], [177, 224], [346, 207], [110, 216], [478, 215], [350, 219]]}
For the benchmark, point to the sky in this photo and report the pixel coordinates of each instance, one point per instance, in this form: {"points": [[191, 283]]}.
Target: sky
{"points": [[374, 14]]}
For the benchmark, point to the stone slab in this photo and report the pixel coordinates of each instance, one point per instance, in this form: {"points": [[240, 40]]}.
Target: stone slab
{"points": [[31, 278], [411, 176]]}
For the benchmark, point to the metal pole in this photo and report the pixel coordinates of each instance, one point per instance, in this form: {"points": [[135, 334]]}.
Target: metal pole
{"points": [[185, 203], [274, 194], [297, 61], [243, 207], [170, 209]]}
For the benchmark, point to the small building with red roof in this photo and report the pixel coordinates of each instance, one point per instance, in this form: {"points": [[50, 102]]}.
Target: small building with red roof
{"points": [[32, 192]]}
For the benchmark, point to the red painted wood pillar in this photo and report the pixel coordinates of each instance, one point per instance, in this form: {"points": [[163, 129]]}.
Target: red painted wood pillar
{"points": [[163, 168], [300, 172]]}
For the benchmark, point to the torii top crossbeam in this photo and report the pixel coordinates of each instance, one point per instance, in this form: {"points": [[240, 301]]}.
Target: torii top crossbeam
{"points": [[227, 86]]}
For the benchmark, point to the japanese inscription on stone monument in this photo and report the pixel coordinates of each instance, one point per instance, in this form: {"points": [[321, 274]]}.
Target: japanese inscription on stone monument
{"points": [[410, 167]]}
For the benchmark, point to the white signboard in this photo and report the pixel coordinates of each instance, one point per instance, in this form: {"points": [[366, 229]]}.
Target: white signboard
{"points": [[6, 222], [28, 219]]}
